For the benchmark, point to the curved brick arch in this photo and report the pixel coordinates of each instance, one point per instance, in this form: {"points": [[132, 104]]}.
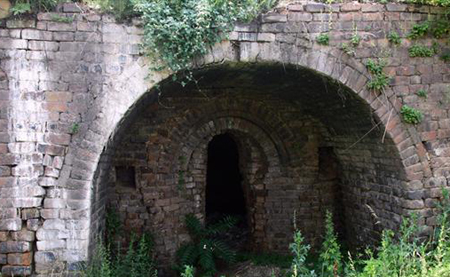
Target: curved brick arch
{"points": [[76, 87]]}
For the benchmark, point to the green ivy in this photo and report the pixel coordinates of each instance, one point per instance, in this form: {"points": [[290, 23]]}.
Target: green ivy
{"points": [[411, 115], [177, 31]]}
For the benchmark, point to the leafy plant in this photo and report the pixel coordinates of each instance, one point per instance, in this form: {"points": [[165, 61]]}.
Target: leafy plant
{"points": [[205, 248], [176, 32], [421, 51], [75, 128], [188, 271], [21, 8], [323, 39], [330, 257], [422, 93], [379, 79], [121, 9], [419, 30], [411, 115], [348, 49], [441, 28], [300, 251], [356, 39], [394, 38], [445, 57], [137, 262], [34, 6]]}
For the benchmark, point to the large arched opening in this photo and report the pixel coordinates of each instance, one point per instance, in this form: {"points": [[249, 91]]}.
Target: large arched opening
{"points": [[305, 144]]}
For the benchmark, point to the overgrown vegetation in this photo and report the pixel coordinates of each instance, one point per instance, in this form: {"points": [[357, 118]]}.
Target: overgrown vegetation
{"points": [[178, 31], [110, 260], [379, 79], [205, 248], [422, 93], [394, 38], [411, 115], [323, 39], [418, 50]]}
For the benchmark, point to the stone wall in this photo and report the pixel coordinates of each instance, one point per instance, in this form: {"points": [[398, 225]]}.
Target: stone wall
{"points": [[69, 93]]}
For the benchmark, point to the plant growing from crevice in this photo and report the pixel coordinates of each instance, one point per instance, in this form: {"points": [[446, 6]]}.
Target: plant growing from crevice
{"points": [[323, 39], [394, 38], [75, 128], [419, 30], [441, 27], [355, 39], [379, 80], [411, 115], [445, 56], [422, 93], [348, 49], [423, 51], [205, 248]]}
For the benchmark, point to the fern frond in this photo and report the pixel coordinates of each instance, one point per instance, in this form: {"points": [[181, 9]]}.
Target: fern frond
{"points": [[222, 251], [187, 254], [223, 225], [206, 259], [194, 226]]}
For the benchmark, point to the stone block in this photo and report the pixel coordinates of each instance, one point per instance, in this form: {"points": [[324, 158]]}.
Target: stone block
{"points": [[43, 234], [15, 247], [36, 35], [30, 213], [13, 44], [21, 24], [12, 270], [33, 224], [23, 235], [20, 259], [11, 224], [53, 244]]}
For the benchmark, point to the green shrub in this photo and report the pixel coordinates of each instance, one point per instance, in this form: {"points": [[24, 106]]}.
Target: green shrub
{"points": [[379, 79], [330, 258], [419, 30], [394, 38], [177, 31], [422, 93], [323, 39], [205, 248], [421, 51], [300, 252], [33, 6], [411, 115], [137, 262]]}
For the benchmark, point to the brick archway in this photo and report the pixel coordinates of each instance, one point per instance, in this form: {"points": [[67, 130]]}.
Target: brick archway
{"points": [[100, 92]]}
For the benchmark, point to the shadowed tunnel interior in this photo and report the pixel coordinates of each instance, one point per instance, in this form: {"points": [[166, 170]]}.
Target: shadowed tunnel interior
{"points": [[224, 194], [260, 141]]}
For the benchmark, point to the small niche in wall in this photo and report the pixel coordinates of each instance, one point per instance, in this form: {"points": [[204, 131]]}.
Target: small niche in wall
{"points": [[125, 176]]}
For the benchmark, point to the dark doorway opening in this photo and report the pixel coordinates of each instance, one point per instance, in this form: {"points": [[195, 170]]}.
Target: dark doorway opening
{"points": [[224, 193]]}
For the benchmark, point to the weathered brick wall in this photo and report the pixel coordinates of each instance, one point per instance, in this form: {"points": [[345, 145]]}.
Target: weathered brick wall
{"points": [[69, 91]]}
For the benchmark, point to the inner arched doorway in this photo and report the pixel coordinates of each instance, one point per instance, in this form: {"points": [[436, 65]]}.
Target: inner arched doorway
{"points": [[224, 192]]}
